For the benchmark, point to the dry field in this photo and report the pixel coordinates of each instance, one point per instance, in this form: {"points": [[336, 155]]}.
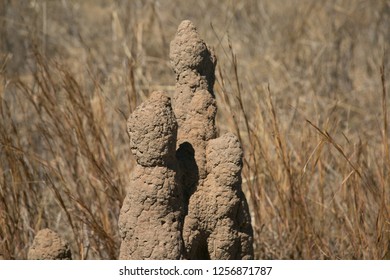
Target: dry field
{"points": [[303, 83]]}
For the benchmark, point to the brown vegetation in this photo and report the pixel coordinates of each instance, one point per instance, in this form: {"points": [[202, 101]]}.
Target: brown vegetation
{"points": [[303, 85]]}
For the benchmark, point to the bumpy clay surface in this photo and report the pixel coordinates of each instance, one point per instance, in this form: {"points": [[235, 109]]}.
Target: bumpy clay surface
{"points": [[48, 245], [229, 214], [151, 216], [193, 101], [152, 129], [185, 203], [191, 59]]}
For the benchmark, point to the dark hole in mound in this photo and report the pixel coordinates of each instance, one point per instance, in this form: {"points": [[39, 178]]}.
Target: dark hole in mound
{"points": [[188, 169]]}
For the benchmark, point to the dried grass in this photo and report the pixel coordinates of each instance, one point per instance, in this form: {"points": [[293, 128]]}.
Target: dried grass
{"points": [[302, 83]]}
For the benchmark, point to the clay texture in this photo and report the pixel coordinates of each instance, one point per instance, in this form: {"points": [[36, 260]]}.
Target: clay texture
{"points": [[185, 199], [151, 216], [193, 101], [48, 245]]}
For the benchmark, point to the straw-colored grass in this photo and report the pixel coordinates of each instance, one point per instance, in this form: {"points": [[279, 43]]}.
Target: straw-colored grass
{"points": [[302, 83]]}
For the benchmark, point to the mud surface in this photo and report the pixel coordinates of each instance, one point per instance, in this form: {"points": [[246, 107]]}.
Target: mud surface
{"points": [[48, 245], [185, 199]]}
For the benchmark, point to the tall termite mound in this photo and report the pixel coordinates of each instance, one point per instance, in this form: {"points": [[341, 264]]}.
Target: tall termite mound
{"points": [[185, 199], [151, 217]]}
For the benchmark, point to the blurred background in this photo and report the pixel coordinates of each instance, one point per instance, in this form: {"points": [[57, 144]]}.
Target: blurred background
{"points": [[303, 83]]}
